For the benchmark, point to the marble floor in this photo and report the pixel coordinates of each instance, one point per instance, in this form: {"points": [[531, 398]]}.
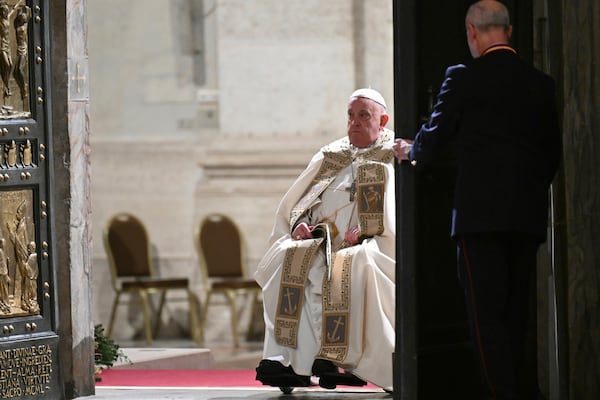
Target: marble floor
{"points": [[233, 394]]}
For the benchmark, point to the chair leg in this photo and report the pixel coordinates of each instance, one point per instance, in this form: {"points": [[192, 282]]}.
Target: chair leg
{"points": [[163, 295], [196, 336], [201, 328], [147, 330], [234, 323], [113, 313]]}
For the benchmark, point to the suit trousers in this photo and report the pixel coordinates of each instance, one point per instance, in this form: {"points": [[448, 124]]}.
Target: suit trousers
{"points": [[497, 271]]}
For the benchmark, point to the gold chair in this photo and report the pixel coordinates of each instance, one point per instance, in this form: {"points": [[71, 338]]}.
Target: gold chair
{"points": [[129, 255], [221, 255]]}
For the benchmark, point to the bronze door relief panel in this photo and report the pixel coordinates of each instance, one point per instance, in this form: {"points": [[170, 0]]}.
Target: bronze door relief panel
{"points": [[29, 367], [19, 269]]}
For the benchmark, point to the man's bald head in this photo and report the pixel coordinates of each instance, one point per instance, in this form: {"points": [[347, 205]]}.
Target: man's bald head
{"points": [[487, 23], [488, 14]]}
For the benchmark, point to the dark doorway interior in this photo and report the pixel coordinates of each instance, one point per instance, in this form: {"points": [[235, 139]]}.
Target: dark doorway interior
{"points": [[433, 356]]}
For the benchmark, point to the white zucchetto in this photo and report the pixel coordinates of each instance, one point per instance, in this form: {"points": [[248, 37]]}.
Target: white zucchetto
{"points": [[370, 94]]}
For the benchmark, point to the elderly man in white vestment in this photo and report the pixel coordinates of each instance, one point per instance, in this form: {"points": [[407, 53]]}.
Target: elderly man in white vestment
{"points": [[328, 277]]}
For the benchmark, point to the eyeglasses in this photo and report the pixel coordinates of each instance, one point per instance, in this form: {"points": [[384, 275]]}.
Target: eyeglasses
{"points": [[361, 116]]}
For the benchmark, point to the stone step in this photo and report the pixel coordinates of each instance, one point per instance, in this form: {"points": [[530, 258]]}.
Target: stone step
{"points": [[165, 358]]}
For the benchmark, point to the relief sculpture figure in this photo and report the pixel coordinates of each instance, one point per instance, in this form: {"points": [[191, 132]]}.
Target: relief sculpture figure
{"points": [[21, 20], [6, 64], [4, 280], [18, 237], [26, 153], [11, 149], [5, 58], [32, 272]]}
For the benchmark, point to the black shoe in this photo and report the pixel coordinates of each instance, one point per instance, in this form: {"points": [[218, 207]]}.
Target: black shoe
{"points": [[330, 375], [321, 367], [330, 381], [273, 373]]}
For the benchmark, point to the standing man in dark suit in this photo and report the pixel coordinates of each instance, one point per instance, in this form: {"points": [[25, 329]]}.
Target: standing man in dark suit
{"points": [[500, 114]]}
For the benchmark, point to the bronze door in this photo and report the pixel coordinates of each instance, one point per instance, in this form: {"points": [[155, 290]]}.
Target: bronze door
{"points": [[28, 314]]}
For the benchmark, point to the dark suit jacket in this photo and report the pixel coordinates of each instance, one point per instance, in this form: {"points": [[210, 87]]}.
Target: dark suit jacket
{"points": [[501, 115]]}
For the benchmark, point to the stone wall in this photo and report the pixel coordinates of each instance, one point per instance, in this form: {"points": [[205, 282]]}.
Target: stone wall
{"points": [[581, 40]]}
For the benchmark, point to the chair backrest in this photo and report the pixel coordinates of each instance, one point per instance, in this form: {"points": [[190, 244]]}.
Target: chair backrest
{"points": [[220, 247], [128, 247]]}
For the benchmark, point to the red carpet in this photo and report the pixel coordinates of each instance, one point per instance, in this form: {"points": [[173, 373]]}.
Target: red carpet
{"points": [[178, 377], [181, 378]]}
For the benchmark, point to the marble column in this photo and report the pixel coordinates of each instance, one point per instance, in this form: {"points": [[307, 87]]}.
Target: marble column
{"points": [[70, 116]]}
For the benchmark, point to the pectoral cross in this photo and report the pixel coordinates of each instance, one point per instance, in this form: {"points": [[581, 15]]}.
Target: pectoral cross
{"points": [[352, 190]]}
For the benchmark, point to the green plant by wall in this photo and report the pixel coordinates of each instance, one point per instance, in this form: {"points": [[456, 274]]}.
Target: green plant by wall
{"points": [[106, 351]]}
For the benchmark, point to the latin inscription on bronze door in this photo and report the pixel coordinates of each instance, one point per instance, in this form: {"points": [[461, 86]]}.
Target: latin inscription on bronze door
{"points": [[29, 367]]}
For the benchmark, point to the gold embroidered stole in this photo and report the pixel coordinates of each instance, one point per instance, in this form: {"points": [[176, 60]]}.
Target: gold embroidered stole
{"points": [[337, 289], [371, 191], [296, 264], [299, 257]]}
